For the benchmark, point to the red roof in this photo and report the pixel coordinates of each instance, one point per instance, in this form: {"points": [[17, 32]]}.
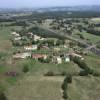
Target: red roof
{"points": [[36, 56]]}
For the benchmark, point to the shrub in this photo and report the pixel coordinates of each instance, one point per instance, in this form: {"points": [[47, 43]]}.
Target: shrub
{"points": [[2, 96], [25, 69], [50, 73], [69, 79]]}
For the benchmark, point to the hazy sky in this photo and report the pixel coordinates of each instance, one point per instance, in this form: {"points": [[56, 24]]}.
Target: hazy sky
{"points": [[45, 3]]}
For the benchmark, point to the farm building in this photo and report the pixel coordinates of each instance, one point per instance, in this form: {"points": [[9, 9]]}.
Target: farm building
{"points": [[67, 59], [32, 47], [37, 56], [22, 55], [36, 38], [15, 34], [17, 38], [76, 55], [57, 60]]}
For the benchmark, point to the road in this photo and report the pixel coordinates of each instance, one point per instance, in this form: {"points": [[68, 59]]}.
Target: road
{"points": [[90, 47]]}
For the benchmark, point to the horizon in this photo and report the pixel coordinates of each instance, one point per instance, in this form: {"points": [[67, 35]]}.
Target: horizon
{"points": [[49, 7], [46, 3]]}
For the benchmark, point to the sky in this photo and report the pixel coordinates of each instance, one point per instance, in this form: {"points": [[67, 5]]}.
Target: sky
{"points": [[45, 3]]}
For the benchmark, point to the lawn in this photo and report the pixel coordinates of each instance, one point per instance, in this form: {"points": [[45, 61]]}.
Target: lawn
{"points": [[36, 88], [84, 88]]}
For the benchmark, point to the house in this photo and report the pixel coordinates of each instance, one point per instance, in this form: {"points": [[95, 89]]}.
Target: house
{"points": [[15, 34], [36, 38], [57, 60], [67, 59], [17, 38], [56, 49], [22, 55], [45, 47], [30, 34], [32, 47], [37, 56], [76, 55]]}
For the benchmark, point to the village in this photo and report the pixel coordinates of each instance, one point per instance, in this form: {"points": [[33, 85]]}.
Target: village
{"points": [[50, 54], [48, 50]]}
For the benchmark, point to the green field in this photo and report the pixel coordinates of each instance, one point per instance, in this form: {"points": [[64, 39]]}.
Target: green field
{"points": [[36, 88], [95, 19], [93, 62], [34, 85], [84, 88]]}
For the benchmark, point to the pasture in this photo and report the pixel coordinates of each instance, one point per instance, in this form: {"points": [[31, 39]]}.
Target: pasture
{"points": [[84, 88]]}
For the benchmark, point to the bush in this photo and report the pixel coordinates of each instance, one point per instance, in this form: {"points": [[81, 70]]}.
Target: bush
{"points": [[83, 73], [63, 73], [50, 73], [2, 96], [64, 88], [69, 79], [25, 69], [42, 60]]}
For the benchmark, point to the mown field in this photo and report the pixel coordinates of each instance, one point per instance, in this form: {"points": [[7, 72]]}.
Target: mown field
{"points": [[84, 88], [93, 62], [36, 88]]}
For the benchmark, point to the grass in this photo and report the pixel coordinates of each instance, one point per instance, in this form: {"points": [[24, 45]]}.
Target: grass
{"points": [[11, 80], [93, 62], [5, 32], [91, 38], [36, 88], [84, 88], [38, 68]]}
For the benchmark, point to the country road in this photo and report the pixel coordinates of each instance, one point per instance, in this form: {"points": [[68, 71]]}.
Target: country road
{"points": [[92, 48]]}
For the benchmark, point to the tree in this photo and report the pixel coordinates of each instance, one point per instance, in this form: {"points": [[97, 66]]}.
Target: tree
{"points": [[25, 69], [2, 96], [69, 79], [50, 73]]}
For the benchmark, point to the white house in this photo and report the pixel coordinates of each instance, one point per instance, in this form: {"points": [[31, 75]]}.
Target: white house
{"points": [[77, 55], [15, 34], [32, 47], [67, 59], [36, 38], [57, 59], [17, 38], [30, 34]]}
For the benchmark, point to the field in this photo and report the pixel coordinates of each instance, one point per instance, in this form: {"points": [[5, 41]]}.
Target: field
{"points": [[93, 62], [5, 36], [34, 85], [36, 88], [84, 88], [95, 19], [87, 36]]}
